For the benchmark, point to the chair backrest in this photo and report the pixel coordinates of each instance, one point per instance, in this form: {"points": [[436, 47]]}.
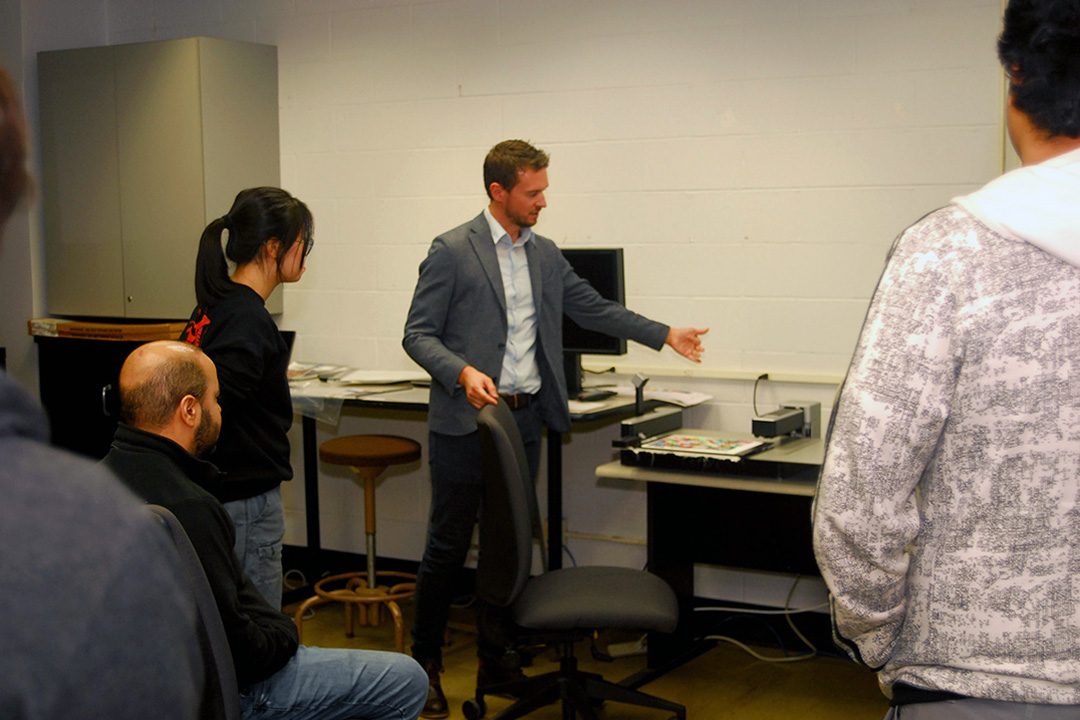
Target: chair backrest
{"points": [[506, 538], [221, 697]]}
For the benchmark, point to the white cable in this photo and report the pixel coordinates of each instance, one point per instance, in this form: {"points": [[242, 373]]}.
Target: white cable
{"points": [[750, 611], [787, 612], [787, 603], [759, 656]]}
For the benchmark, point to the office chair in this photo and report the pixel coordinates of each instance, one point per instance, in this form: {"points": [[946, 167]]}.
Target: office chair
{"points": [[557, 607], [221, 697]]}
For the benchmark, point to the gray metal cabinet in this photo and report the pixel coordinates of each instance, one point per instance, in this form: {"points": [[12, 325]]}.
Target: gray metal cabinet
{"points": [[142, 145]]}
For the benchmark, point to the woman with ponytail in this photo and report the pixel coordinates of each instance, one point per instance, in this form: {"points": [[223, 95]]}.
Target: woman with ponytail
{"points": [[268, 234]]}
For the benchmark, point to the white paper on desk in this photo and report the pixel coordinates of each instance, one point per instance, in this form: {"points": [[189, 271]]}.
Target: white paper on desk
{"points": [[381, 377], [299, 372], [364, 391], [318, 389], [577, 407], [675, 397]]}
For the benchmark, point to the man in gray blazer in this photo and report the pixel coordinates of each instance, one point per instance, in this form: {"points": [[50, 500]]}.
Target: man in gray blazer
{"points": [[485, 322]]}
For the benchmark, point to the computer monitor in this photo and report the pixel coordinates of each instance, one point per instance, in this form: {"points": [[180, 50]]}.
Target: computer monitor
{"points": [[603, 269]]}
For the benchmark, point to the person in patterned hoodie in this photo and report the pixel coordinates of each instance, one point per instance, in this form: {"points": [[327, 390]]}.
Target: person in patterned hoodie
{"points": [[947, 517]]}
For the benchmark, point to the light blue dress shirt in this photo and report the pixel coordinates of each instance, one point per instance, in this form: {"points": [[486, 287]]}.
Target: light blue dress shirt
{"points": [[520, 373]]}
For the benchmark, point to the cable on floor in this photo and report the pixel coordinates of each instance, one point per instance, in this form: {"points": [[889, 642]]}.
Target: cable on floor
{"points": [[288, 579], [787, 612]]}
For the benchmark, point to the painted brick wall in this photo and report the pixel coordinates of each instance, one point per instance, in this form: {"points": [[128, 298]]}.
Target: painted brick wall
{"points": [[754, 159]]}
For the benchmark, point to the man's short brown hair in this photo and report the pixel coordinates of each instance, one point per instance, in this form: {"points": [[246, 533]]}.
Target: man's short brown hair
{"points": [[152, 403], [507, 159]]}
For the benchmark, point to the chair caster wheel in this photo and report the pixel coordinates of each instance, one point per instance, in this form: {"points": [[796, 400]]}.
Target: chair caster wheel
{"points": [[474, 709]]}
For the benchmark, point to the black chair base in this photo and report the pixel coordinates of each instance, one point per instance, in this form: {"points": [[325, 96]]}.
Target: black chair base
{"points": [[580, 693]]}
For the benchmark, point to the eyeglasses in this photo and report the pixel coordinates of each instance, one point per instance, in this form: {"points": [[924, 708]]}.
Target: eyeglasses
{"points": [[309, 245]]}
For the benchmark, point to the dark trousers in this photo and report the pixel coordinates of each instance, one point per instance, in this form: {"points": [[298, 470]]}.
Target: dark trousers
{"points": [[456, 492]]}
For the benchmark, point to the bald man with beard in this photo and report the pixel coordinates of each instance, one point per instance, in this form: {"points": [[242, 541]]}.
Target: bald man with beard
{"points": [[169, 402]]}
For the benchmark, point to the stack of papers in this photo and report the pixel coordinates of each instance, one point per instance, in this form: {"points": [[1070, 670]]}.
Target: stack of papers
{"points": [[299, 373], [380, 377], [674, 397]]}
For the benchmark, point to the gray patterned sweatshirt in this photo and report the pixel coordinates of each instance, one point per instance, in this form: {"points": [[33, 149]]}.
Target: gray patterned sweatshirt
{"points": [[947, 518]]}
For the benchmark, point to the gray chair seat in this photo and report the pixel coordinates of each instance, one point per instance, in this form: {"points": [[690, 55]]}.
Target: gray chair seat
{"points": [[597, 597]]}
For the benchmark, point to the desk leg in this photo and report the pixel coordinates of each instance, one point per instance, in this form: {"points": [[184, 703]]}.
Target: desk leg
{"points": [[554, 499], [311, 497], [670, 560]]}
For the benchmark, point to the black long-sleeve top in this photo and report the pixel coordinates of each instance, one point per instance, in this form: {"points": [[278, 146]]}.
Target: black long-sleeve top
{"points": [[261, 638], [252, 358]]}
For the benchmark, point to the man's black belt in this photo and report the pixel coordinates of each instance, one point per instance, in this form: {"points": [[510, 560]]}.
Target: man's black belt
{"points": [[518, 401]]}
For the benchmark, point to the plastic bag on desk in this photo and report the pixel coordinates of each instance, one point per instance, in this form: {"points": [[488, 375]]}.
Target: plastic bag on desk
{"points": [[321, 408]]}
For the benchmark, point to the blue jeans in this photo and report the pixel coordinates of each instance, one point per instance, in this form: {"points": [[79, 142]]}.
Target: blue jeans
{"points": [[456, 491], [331, 683], [260, 528]]}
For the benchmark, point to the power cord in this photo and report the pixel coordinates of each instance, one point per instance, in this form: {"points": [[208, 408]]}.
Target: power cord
{"points": [[762, 376], [787, 612], [566, 549], [294, 579]]}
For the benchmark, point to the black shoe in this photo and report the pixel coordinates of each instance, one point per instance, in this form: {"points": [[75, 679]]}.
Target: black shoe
{"points": [[491, 673], [436, 705]]}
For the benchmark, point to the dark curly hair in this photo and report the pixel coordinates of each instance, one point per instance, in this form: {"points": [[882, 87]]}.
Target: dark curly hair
{"points": [[1040, 50]]}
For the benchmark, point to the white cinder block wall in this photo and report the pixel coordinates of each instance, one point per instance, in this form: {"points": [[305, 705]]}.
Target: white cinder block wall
{"points": [[754, 159]]}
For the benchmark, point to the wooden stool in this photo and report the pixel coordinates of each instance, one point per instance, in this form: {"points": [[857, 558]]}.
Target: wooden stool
{"points": [[368, 456]]}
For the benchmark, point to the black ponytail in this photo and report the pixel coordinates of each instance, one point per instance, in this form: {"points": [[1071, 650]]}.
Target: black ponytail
{"points": [[257, 216], [211, 270]]}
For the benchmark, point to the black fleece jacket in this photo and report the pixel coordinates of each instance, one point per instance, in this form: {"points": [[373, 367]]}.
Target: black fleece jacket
{"points": [[159, 471]]}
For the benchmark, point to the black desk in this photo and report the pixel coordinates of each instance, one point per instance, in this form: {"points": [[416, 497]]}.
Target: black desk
{"points": [[73, 372], [731, 520], [416, 400]]}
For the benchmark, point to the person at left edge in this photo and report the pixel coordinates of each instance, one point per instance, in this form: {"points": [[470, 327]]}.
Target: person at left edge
{"points": [[270, 233], [96, 621]]}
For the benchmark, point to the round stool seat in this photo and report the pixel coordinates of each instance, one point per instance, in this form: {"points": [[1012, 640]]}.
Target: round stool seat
{"points": [[369, 450]]}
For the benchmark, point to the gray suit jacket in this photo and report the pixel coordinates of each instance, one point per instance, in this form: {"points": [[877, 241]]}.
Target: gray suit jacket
{"points": [[458, 318]]}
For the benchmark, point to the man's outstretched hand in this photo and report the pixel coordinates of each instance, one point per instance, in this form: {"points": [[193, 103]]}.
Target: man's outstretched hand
{"points": [[687, 342]]}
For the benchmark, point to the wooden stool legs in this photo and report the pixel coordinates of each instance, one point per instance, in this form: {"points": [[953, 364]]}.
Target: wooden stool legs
{"points": [[368, 601], [368, 456]]}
